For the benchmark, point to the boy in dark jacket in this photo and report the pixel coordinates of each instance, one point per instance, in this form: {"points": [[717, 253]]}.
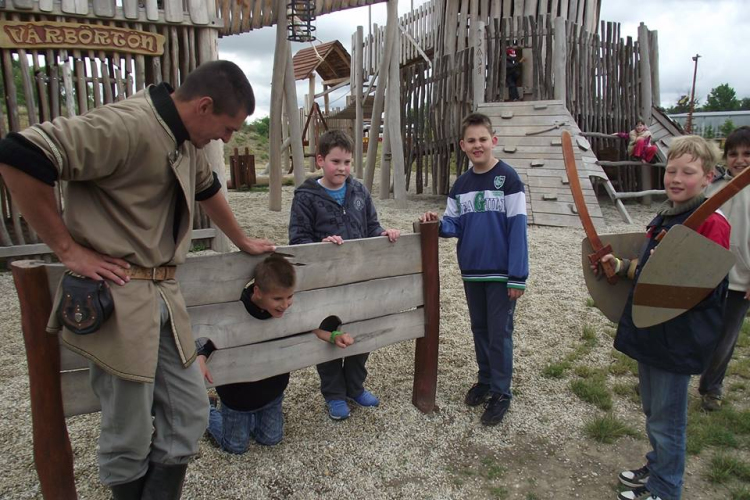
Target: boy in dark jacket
{"points": [[253, 409], [487, 213], [668, 353], [335, 208]]}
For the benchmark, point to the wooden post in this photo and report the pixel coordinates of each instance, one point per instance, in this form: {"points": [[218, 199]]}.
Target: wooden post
{"points": [[357, 88], [646, 102], [377, 105], [53, 455], [277, 94], [480, 53], [385, 156], [426, 351], [559, 63], [654, 62], [295, 133], [208, 50], [312, 134], [394, 120]]}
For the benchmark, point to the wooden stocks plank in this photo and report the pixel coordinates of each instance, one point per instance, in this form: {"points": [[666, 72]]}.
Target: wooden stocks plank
{"points": [[426, 351]]}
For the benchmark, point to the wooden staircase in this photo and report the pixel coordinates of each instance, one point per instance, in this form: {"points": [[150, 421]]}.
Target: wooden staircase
{"points": [[529, 140]]}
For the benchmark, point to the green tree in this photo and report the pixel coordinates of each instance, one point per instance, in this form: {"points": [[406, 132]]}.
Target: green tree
{"points": [[262, 126], [682, 106], [745, 103], [722, 98], [726, 128], [709, 132]]}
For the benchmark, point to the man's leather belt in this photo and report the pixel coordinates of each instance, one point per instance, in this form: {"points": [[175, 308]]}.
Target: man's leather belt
{"points": [[151, 273]]}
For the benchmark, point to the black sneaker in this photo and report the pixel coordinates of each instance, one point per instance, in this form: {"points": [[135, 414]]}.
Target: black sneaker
{"points": [[477, 395], [641, 493], [495, 409], [634, 478]]}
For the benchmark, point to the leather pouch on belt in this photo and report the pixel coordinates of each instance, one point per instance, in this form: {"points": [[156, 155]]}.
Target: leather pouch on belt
{"points": [[85, 304]]}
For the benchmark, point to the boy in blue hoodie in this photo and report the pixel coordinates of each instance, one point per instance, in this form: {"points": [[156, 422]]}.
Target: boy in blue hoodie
{"points": [[487, 213], [335, 208]]}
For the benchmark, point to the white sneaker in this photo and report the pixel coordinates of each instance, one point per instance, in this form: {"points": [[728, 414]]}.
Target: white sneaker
{"points": [[641, 493]]}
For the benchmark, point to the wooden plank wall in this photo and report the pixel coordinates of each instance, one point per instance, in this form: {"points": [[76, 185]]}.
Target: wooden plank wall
{"points": [[59, 82], [176, 12], [243, 16]]}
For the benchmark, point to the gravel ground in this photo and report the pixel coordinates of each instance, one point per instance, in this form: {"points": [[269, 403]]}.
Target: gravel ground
{"points": [[394, 451]]}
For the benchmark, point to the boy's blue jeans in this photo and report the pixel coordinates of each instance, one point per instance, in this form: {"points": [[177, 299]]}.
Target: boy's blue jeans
{"points": [[233, 429], [664, 398], [491, 313]]}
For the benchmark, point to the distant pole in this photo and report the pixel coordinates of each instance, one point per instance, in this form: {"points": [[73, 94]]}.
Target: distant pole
{"points": [[689, 122]]}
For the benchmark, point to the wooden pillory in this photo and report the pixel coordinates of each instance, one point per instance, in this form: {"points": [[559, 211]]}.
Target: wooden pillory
{"points": [[383, 292], [241, 170]]}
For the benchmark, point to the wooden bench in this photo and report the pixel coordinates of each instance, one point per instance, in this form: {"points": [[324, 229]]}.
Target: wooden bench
{"points": [[383, 292]]}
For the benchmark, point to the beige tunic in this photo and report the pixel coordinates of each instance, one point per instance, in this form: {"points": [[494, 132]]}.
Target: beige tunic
{"points": [[125, 181]]}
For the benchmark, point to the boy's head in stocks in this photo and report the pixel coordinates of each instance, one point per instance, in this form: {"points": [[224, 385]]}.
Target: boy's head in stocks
{"points": [[690, 166], [737, 150], [477, 141], [273, 288], [214, 101], [334, 157]]}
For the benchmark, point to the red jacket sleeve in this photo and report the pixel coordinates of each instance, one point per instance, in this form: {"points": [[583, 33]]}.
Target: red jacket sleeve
{"points": [[716, 228]]}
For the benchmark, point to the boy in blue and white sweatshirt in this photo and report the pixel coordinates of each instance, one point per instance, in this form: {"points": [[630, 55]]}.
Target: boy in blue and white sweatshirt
{"points": [[487, 213]]}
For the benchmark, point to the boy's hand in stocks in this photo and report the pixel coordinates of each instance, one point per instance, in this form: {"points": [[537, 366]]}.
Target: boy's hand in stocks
{"points": [[336, 337], [204, 369]]}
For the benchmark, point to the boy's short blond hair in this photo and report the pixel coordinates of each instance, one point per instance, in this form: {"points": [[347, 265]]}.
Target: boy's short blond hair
{"points": [[275, 272], [698, 148]]}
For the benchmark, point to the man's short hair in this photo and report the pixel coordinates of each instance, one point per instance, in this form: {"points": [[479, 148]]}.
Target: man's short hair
{"points": [[476, 119], [275, 272], [222, 81], [698, 148], [334, 139], [738, 138]]}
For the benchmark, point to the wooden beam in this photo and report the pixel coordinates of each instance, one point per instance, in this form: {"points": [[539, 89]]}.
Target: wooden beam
{"points": [[277, 94], [334, 88], [53, 455], [426, 350], [336, 81], [295, 134], [357, 95]]}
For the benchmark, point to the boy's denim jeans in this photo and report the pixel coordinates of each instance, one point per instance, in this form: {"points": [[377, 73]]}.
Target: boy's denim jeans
{"points": [[233, 429], [664, 397], [491, 313]]}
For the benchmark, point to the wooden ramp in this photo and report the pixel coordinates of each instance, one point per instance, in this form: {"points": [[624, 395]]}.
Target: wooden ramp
{"points": [[663, 130], [529, 142]]}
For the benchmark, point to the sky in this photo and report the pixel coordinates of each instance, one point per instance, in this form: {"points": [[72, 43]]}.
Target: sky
{"points": [[718, 30]]}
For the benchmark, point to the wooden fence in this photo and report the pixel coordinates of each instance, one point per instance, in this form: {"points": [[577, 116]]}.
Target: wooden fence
{"points": [[57, 82], [602, 81]]}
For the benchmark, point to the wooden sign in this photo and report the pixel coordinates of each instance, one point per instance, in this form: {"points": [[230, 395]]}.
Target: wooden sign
{"points": [[51, 35]]}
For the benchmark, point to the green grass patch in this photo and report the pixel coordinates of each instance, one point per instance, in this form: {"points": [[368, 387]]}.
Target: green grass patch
{"points": [[740, 367], [623, 365], [724, 467], [727, 428], [589, 336], [744, 338], [593, 390], [608, 429], [590, 302], [556, 369], [588, 372], [629, 391], [741, 493], [500, 492], [198, 247]]}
